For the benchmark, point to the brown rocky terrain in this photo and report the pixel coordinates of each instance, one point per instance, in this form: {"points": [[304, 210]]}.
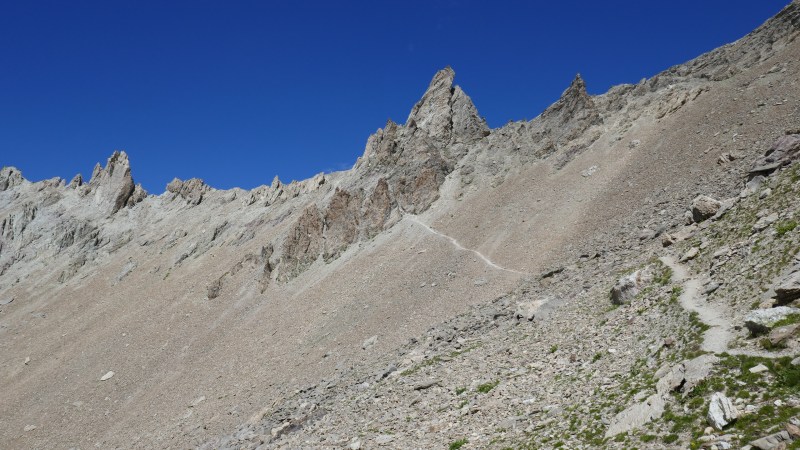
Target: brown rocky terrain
{"points": [[453, 289]]}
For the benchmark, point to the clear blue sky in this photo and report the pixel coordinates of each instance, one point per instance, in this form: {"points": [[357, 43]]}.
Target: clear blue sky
{"points": [[236, 92]]}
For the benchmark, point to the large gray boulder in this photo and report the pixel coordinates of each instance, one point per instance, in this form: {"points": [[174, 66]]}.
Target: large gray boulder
{"points": [[704, 207], [760, 321], [783, 152], [630, 285], [637, 415], [721, 411], [773, 441], [788, 288]]}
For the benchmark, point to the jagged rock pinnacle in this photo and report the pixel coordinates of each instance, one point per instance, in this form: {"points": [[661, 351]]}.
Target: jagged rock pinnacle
{"points": [[445, 112], [113, 185], [10, 177], [431, 113]]}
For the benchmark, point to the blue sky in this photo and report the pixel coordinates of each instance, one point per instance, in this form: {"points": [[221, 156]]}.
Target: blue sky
{"points": [[236, 92]]}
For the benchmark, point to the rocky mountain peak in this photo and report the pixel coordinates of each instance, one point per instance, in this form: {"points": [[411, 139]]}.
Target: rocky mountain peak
{"points": [[574, 104], [113, 185], [10, 177], [191, 190], [446, 113]]}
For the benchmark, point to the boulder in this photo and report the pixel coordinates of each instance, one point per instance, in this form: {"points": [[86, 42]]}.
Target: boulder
{"points": [[637, 415], [690, 254], [788, 288], [781, 334], [721, 411], [761, 321], [527, 309], [773, 441], [704, 207], [369, 342], [783, 152], [629, 286]]}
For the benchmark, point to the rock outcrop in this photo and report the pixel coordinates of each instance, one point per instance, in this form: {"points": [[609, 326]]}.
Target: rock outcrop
{"points": [[785, 150], [191, 190], [446, 113], [10, 177], [112, 186]]}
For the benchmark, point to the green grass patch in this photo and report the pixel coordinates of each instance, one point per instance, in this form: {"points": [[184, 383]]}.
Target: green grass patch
{"points": [[486, 387], [785, 227], [791, 319], [455, 445]]}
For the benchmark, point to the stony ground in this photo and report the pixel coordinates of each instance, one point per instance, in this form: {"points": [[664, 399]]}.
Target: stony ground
{"points": [[491, 378]]}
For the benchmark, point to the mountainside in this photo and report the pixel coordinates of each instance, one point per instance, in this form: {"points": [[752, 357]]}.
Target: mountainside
{"points": [[594, 277]]}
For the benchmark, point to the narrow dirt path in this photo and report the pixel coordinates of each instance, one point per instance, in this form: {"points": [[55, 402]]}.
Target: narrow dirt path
{"points": [[458, 245], [717, 338]]}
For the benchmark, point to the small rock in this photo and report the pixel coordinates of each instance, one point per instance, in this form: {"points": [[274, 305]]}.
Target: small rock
{"points": [[29, 428], [384, 439], [369, 342], [764, 222], [721, 411], [355, 445], [690, 255], [528, 309], [107, 376], [667, 240], [277, 431], [759, 368], [197, 401], [425, 385], [6, 301], [793, 430], [646, 234], [711, 288], [27, 360]]}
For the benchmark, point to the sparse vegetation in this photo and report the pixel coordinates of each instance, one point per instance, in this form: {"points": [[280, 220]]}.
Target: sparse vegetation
{"points": [[457, 444], [785, 227], [486, 387]]}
